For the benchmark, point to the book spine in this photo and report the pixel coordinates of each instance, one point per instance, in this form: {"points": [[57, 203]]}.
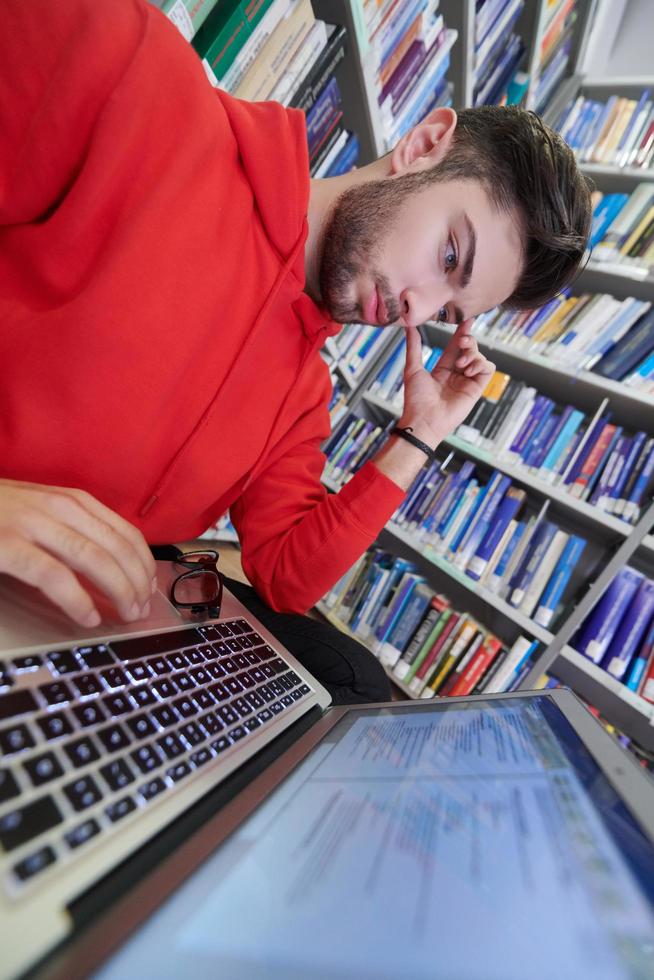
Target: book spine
{"points": [[632, 508], [426, 647], [506, 511], [602, 623], [556, 586], [542, 574], [518, 651], [630, 631], [449, 660], [403, 665], [476, 667], [495, 580], [643, 663], [393, 648], [417, 682], [531, 562]]}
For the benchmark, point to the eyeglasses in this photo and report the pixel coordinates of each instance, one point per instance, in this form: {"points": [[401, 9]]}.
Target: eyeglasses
{"points": [[201, 588]]}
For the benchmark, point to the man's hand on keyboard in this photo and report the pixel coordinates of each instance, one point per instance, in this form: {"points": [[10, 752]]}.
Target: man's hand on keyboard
{"points": [[47, 534]]}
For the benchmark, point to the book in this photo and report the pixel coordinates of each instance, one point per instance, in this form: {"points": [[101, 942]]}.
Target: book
{"points": [[437, 650], [497, 486], [437, 605], [394, 610], [642, 667], [539, 579], [476, 667], [600, 626], [188, 16], [454, 675], [629, 351], [532, 559], [631, 631], [521, 649], [426, 648], [246, 57], [399, 638], [507, 509], [276, 53], [324, 67], [450, 657], [494, 580], [555, 587]]}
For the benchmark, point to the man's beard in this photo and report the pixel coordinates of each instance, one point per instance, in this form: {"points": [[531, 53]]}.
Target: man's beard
{"points": [[362, 219]]}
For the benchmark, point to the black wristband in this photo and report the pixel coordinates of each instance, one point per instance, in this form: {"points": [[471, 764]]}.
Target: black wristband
{"points": [[407, 434]]}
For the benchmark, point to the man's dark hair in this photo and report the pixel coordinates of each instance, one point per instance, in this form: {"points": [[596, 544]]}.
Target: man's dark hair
{"points": [[526, 166]]}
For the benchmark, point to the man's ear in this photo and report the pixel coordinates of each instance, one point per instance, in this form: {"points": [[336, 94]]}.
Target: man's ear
{"points": [[426, 144]]}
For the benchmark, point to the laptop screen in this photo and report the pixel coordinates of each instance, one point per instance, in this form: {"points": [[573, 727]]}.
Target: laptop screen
{"points": [[465, 840]]}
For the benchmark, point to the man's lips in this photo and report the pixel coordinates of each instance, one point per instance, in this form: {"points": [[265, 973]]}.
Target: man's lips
{"points": [[375, 309]]}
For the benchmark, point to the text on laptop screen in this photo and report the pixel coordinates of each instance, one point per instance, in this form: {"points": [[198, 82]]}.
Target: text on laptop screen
{"points": [[470, 841]]}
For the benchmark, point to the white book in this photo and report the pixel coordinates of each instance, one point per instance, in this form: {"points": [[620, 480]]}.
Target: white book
{"points": [[622, 225], [515, 425], [643, 123], [364, 629], [516, 557], [582, 442], [519, 411], [514, 656], [469, 496], [537, 585], [254, 44], [636, 310], [301, 63], [333, 153], [499, 551]]}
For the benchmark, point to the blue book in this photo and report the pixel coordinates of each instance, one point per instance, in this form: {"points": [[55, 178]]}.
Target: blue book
{"points": [[347, 158], [373, 575], [539, 431], [646, 368], [447, 522], [455, 488], [472, 516], [601, 624], [630, 632], [324, 108], [563, 439], [498, 485], [511, 546], [632, 122], [605, 212], [530, 562], [406, 625], [512, 682], [640, 662], [629, 351], [632, 452], [594, 477], [607, 468], [558, 424], [380, 605], [506, 511], [605, 499], [594, 433], [402, 595], [559, 579], [632, 507]]}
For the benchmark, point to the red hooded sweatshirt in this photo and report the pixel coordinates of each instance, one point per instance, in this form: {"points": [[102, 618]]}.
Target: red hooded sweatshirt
{"points": [[156, 345]]}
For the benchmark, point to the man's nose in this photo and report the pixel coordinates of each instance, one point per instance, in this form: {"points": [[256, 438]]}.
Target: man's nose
{"points": [[418, 305]]}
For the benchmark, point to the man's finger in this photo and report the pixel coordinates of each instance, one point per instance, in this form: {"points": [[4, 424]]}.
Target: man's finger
{"points": [[413, 361]]}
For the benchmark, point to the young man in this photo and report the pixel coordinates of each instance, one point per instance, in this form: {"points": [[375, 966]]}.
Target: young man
{"points": [[168, 274]]}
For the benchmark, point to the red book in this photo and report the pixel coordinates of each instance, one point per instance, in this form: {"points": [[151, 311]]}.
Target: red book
{"points": [[593, 460], [646, 689], [446, 689], [476, 668]]}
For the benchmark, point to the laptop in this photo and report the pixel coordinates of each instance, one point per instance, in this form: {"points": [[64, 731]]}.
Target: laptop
{"points": [[178, 798]]}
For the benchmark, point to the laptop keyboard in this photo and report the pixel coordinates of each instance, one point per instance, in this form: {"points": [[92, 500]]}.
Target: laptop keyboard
{"points": [[104, 730]]}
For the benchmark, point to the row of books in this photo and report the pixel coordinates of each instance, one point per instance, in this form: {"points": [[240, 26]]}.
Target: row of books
{"points": [[499, 51], [277, 50], [408, 48], [618, 132], [352, 442], [590, 457], [590, 332], [434, 649], [623, 229], [474, 523], [618, 634], [554, 51]]}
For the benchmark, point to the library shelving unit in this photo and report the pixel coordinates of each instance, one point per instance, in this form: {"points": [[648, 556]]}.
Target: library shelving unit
{"points": [[619, 543]]}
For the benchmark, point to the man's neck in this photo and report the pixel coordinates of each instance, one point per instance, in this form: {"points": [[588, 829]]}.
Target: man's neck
{"points": [[323, 194]]}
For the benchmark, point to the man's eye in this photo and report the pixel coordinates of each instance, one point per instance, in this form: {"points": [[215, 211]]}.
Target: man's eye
{"points": [[442, 314], [451, 258]]}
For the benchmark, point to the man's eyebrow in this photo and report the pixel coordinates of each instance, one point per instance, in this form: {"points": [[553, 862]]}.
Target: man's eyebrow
{"points": [[468, 263], [470, 257]]}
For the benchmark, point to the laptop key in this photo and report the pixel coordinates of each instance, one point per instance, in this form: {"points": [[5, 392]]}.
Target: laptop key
{"points": [[158, 665], [286, 682], [165, 688], [287, 700], [98, 656], [201, 756], [266, 670], [54, 725], [34, 863], [265, 715], [89, 714], [194, 657], [141, 726], [219, 692], [64, 662], [192, 733], [116, 811], [87, 684], [232, 685], [57, 693], [117, 704], [227, 714], [251, 724], [185, 707], [21, 825], [32, 662], [203, 699], [184, 682], [81, 752], [165, 715], [252, 658], [241, 706], [147, 758], [296, 695], [117, 774], [266, 652], [142, 695], [237, 733], [81, 833], [234, 645], [265, 693], [178, 661], [171, 745], [114, 737], [200, 675], [255, 699], [43, 768], [276, 707], [228, 665], [15, 739], [152, 788], [138, 671], [9, 788], [211, 724], [276, 687], [220, 744], [178, 771], [83, 793], [245, 679], [257, 674], [305, 689], [114, 677]]}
